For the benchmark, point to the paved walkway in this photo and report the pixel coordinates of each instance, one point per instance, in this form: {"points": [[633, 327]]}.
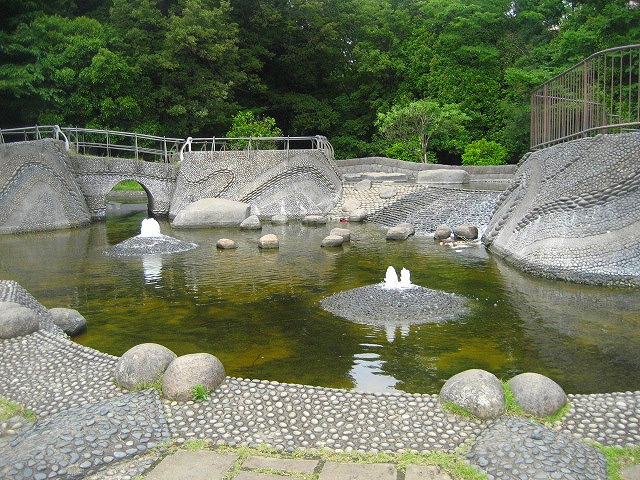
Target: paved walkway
{"points": [[89, 428]]}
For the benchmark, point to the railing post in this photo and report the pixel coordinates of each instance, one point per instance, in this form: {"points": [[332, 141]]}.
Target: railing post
{"points": [[135, 141]]}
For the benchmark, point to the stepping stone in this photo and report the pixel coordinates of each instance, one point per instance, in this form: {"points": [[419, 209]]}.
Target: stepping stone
{"points": [[425, 472], [283, 464], [263, 476], [186, 465], [358, 471]]}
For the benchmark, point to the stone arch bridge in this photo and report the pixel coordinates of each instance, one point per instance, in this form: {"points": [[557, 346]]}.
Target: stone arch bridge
{"points": [[50, 183]]}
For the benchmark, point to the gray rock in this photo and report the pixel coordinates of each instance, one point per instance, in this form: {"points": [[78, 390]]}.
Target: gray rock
{"points": [[69, 320], [388, 192], [279, 219], [212, 212], [268, 241], [350, 205], [226, 244], [400, 232], [314, 220], [333, 241], [252, 222], [536, 394], [465, 232], [477, 391], [358, 215], [442, 232], [142, 365], [16, 320], [345, 233], [363, 185], [441, 175], [187, 371]]}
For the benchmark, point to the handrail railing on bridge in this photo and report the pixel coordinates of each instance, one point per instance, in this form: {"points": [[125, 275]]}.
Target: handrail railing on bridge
{"points": [[248, 144], [112, 143], [601, 94]]}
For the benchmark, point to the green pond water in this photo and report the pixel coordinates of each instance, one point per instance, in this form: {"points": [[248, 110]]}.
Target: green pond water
{"points": [[259, 311]]}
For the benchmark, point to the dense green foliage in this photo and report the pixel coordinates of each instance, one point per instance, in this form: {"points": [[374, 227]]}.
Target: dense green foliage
{"points": [[484, 152], [329, 67]]}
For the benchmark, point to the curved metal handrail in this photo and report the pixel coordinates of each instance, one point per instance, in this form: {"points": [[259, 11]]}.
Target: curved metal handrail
{"points": [[600, 94]]}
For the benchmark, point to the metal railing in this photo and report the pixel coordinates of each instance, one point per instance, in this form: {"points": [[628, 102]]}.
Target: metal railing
{"points": [[118, 144], [248, 144], [601, 94]]}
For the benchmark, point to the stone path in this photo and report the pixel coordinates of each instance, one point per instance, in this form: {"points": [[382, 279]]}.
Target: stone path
{"points": [[89, 428]]}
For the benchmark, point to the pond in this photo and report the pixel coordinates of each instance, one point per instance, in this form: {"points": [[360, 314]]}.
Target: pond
{"points": [[260, 313]]}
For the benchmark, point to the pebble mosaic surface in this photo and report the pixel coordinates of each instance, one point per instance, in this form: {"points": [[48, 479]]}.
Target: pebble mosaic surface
{"points": [[70, 387], [515, 449], [377, 305], [81, 440], [571, 213]]}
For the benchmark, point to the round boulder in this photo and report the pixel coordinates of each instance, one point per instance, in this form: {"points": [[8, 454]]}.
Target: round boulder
{"points": [[465, 232], [441, 175], [400, 232], [142, 365], [537, 395], [252, 222], [363, 185], [69, 320], [345, 233], [350, 205], [358, 215], [387, 192], [187, 371], [268, 241], [442, 232], [314, 220], [279, 219], [17, 320], [478, 391], [226, 244], [333, 241], [212, 212]]}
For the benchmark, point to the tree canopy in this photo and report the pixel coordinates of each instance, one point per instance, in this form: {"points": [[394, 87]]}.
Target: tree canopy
{"points": [[330, 67]]}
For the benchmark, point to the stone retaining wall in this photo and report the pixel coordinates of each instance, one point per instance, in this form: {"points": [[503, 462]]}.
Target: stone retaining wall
{"points": [[572, 212]]}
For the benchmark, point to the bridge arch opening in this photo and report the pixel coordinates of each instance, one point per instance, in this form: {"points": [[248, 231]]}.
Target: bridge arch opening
{"points": [[127, 204]]}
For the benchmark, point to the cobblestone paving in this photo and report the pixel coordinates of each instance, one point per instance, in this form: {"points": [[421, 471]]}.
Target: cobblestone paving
{"points": [[513, 448], [68, 386]]}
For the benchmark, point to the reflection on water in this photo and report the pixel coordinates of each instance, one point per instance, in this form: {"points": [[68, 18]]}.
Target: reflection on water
{"points": [[259, 311]]}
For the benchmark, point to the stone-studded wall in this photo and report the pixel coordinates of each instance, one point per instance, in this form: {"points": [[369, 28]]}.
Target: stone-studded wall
{"points": [[98, 175], [37, 190], [295, 182], [572, 212]]}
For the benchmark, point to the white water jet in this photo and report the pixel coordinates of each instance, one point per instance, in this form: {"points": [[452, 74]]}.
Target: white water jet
{"points": [[391, 280], [150, 228]]}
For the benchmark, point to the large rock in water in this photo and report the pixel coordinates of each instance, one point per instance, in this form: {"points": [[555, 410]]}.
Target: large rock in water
{"points": [[69, 320], [142, 365], [16, 320], [212, 212], [477, 391], [572, 212]]}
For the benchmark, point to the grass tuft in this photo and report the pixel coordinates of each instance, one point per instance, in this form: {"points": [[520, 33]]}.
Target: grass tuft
{"points": [[618, 458], [10, 409]]}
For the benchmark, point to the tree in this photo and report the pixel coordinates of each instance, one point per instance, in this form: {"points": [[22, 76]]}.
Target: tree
{"points": [[421, 120], [246, 124], [484, 152]]}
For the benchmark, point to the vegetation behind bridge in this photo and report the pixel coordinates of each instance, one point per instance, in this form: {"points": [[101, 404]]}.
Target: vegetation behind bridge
{"points": [[330, 67]]}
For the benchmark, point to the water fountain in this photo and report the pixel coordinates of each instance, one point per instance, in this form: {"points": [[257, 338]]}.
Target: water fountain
{"points": [[395, 302], [149, 242], [391, 280]]}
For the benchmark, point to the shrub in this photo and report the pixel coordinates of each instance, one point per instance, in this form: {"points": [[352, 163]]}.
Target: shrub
{"points": [[484, 152]]}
